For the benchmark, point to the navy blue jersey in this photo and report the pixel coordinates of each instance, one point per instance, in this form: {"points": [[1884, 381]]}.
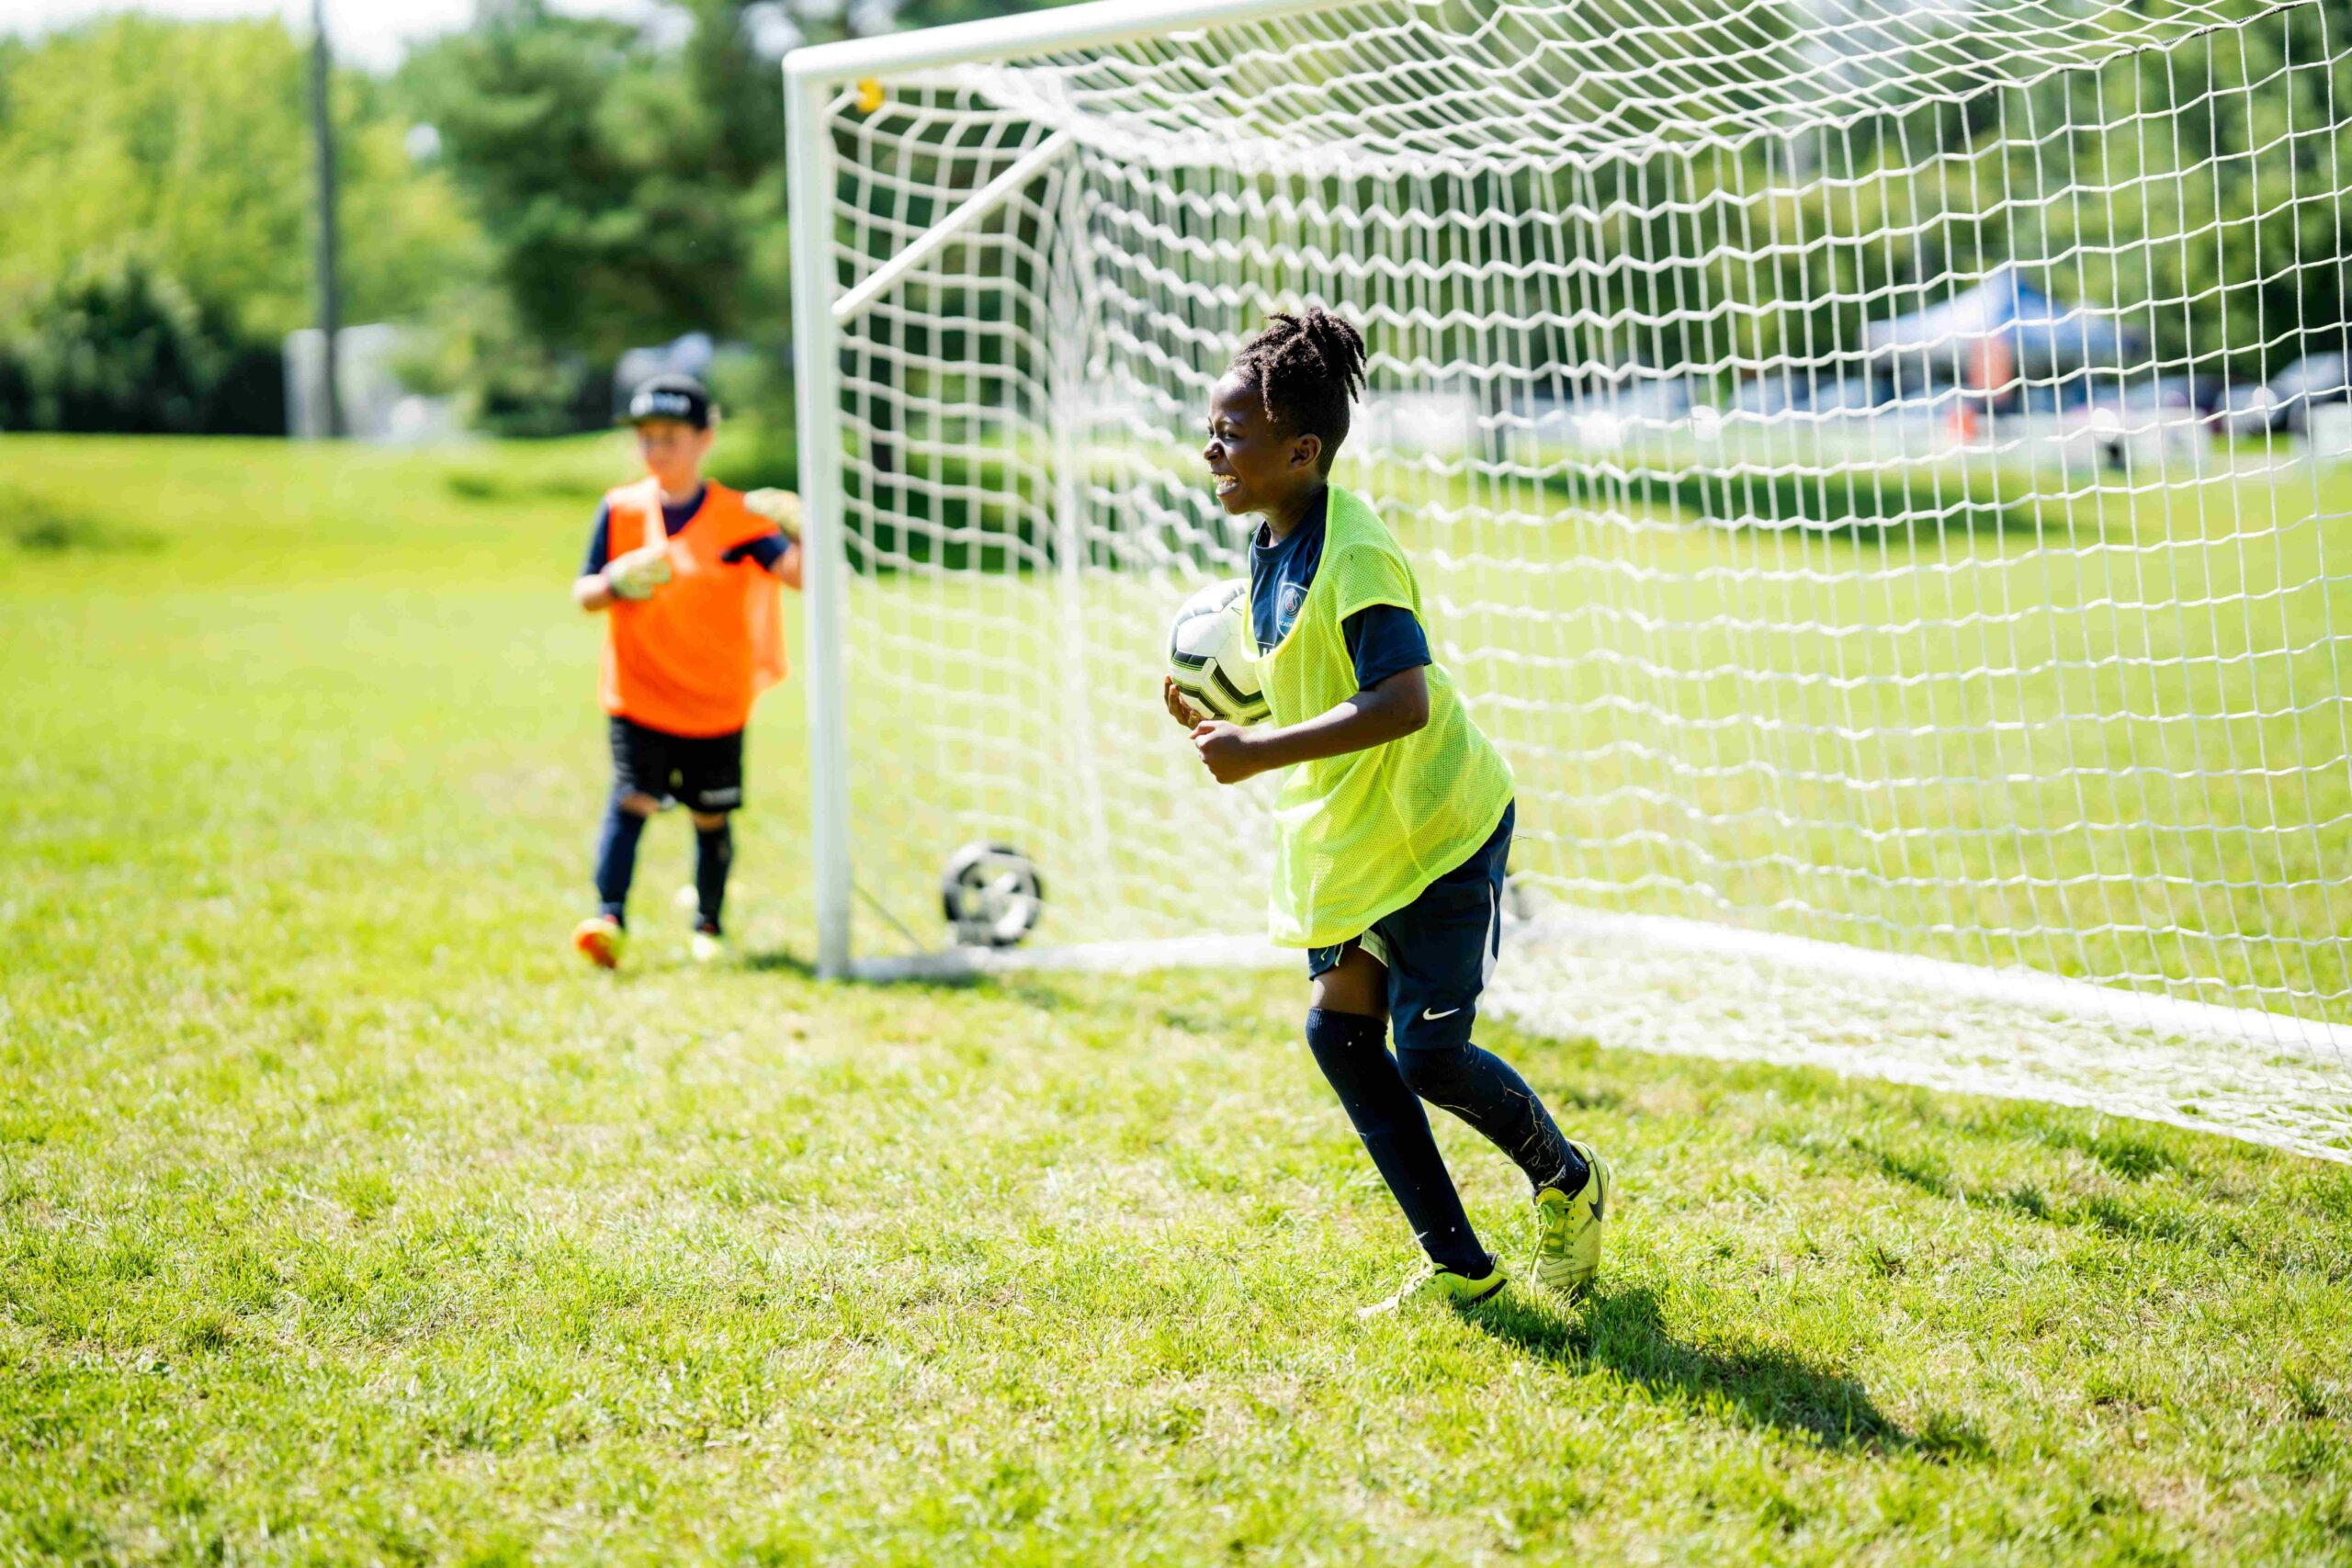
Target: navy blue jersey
{"points": [[767, 551], [1383, 641]]}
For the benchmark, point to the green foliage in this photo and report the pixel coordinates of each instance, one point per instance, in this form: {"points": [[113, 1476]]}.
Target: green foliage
{"points": [[118, 346], [161, 180], [595, 170], [186, 146], [631, 191], [345, 1218]]}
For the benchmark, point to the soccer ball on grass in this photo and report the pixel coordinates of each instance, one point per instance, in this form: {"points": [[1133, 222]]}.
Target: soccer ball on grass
{"points": [[991, 895]]}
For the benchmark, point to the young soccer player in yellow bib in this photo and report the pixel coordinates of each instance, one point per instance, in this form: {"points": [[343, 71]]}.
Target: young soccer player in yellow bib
{"points": [[1393, 825]]}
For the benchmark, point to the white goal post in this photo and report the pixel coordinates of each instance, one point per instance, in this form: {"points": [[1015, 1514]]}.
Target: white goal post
{"points": [[1878, 468]]}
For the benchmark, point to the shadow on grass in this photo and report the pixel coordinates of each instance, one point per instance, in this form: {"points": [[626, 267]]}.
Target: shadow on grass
{"points": [[1623, 1332], [2126, 1215], [486, 485], [43, 527], [783, 960]]}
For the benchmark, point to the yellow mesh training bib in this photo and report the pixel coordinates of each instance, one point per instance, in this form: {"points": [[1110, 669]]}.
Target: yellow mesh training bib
{"points": [[1358, 837]]}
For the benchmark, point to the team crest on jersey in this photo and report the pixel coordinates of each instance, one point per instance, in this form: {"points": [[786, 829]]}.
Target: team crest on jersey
{"points": [[1286, 603]]}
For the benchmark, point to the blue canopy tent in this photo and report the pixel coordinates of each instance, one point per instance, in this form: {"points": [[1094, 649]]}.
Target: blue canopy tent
{"points": [[1947, 341]]}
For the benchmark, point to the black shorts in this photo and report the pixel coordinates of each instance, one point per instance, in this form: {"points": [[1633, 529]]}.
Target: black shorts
{"points": [[1439, 948], [703, 773]]}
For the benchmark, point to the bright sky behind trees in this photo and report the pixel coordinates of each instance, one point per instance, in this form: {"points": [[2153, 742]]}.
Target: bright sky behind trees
{"points": [[365, 32]]}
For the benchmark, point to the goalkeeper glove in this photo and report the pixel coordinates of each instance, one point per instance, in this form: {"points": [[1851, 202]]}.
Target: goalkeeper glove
{"points": [[780, 507], [635, 574]]}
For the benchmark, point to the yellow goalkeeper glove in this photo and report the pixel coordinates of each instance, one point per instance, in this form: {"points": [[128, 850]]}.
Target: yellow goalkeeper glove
{"points": [[635, 574], [780, 507]]}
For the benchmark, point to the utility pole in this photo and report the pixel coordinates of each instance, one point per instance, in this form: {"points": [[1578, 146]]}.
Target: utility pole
{"points": [[322, 142]]}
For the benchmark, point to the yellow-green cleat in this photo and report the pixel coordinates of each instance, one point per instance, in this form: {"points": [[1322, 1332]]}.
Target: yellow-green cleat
{"points": [[1567, 1228], [1435, 1284]]}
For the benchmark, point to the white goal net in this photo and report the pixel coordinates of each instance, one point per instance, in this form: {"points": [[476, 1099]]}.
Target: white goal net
{"points": [[1873, 466]]}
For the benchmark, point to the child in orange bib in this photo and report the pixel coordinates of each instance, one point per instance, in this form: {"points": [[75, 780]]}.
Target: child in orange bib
{"points": [[688, 573]]}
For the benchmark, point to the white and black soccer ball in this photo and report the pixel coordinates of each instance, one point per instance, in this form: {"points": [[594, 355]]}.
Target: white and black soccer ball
{"points": [[991, 895], [1210, 654]]}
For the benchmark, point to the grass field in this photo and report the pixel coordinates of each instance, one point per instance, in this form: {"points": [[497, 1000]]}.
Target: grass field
{"points": [[344, 1219]]}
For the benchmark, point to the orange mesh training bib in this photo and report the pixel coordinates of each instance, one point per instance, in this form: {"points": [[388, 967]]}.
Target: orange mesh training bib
{"points": [[692, 659]]}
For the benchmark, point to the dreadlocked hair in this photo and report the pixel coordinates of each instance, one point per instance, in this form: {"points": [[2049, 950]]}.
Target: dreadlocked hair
{"points": [[1307, 369]]}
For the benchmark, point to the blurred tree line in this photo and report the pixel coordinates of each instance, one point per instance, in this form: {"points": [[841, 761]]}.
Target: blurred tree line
{"points": [[539, 193], [542, 191], [631, 182], [156, 248]]}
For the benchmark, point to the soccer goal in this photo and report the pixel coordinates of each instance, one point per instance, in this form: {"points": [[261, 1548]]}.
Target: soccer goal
{"points": [[1873, 466]]}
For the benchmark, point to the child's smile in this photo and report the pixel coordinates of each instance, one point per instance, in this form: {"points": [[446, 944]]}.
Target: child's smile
{"points": [[1255, 466]]}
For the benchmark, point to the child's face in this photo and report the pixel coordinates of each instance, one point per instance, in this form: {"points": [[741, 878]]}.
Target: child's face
{"points": [[1258, 467], [672, 450]]}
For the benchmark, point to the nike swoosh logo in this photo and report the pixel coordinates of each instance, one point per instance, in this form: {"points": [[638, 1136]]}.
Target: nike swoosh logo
{"points": [[1430, 1015]]}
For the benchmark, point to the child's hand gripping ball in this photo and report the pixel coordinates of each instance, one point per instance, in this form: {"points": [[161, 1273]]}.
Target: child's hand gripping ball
{"points": [[1211, 664]]}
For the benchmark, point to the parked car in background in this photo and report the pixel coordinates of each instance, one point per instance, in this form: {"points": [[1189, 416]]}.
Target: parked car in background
{"points": [[2199, 395], [1800, 393], [2244, 410], [1768, 394], [2317, 379], [1852, 394]]}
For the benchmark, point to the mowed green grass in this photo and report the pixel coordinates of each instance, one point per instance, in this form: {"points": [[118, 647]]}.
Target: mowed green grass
{"points": [[344, 1218]]}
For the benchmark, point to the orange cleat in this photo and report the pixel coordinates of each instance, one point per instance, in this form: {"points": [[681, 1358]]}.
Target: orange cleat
{"points": [[600, 941]]}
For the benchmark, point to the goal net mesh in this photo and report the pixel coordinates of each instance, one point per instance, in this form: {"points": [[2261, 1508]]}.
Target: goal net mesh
{"points": [[1870, 467]]}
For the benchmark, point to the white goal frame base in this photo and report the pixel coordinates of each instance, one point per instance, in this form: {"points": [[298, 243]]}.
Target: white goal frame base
{"points": [[1760, 996]]}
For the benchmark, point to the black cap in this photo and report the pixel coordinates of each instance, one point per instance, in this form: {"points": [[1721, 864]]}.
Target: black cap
{"points": [[670, 397]]}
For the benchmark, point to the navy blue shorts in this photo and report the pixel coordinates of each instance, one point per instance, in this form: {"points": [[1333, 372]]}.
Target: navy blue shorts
{"points": [[703, 772], [1439, 948]]}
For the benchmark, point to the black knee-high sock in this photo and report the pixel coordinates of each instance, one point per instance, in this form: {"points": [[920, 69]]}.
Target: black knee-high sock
{"points": [[714, 853], [1352, 1051], [1480, 1087], [617, 857]]}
